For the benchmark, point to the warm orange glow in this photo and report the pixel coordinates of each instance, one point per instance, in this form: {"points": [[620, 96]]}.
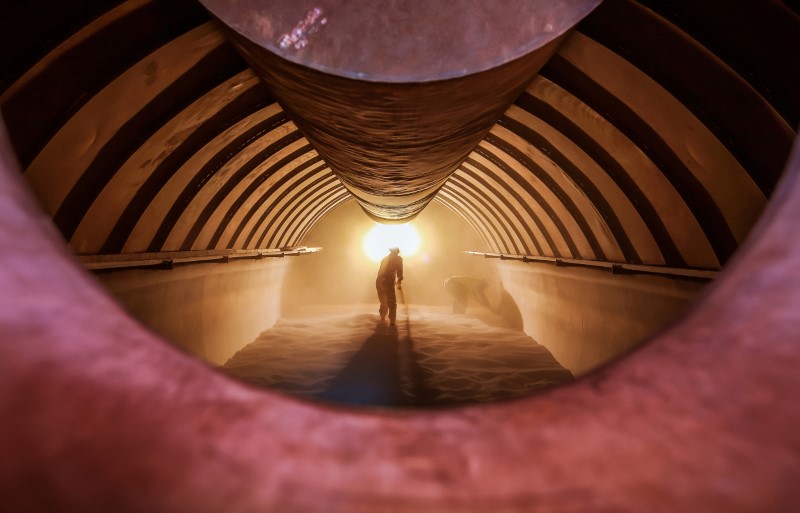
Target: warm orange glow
{"points": [[384, 236]]}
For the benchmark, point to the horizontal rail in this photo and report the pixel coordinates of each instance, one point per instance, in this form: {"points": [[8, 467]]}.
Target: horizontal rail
{"points": [[169, 259], [614, 267]]}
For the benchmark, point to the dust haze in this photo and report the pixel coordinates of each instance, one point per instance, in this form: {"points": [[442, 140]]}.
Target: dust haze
{"points": [[342, 274]]}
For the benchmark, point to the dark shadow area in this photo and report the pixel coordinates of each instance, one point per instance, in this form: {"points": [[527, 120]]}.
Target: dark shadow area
{"points": [[415, 377], [509, 311], [383, 372], [502, 312], [372, 376]]}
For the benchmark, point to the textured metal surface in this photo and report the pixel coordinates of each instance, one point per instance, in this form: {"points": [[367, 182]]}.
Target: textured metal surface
{"points": [[395, 96], [400, 40], [104, 415]]}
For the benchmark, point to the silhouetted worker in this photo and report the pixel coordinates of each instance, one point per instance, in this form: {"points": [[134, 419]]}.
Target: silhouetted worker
{"points": [[390, 272], [462, 287]]}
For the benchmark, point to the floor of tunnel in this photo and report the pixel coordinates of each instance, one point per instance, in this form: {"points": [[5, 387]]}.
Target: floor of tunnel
{"points": [[432, 358]]}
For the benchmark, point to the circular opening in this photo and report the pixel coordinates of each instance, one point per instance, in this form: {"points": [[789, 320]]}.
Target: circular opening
{"points": [[592, 216], [104, 417]]}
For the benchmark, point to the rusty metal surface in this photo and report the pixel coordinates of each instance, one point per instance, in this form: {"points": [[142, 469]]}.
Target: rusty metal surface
{"points": [[400, 40], [394, 95]]}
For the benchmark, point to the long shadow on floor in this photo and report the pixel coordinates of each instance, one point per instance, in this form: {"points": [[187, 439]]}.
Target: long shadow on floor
{"points": [[383, 372]]}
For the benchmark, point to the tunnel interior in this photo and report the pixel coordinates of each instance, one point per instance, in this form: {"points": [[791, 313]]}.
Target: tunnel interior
{"points": [[619, 180], [641, 162]]}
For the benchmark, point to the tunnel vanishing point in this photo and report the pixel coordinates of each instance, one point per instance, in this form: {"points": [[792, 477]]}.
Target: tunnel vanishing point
{"points": [[179, 149]]}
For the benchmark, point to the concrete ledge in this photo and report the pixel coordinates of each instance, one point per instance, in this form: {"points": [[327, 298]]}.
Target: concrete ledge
{"points": [[614, 267], [167, 260]]}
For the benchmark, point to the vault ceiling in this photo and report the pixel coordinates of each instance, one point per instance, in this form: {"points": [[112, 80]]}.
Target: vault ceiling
{"points": [[654, 135]]}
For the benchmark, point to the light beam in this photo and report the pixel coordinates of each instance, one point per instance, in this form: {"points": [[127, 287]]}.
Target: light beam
{"points": [[384, 236]]}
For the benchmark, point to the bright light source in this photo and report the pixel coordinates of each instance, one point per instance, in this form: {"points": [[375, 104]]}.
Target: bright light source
{"points": [[384, 236]]}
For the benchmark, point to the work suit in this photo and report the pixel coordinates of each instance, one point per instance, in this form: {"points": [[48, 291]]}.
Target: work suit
{"points": [[391, 269]]}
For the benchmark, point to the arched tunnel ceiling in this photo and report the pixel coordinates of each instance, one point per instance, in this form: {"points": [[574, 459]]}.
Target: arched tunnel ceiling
{"points": [[655, 135]]}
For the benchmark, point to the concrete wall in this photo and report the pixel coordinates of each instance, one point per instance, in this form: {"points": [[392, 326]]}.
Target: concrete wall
{"points": [[210, 310], [586, 317]]}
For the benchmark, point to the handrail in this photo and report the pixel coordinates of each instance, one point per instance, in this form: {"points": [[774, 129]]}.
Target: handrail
{"points": [[169, 259], [614, 267]]}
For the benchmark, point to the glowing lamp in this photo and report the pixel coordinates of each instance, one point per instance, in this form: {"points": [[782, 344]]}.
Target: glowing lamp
{"points": [[384, 236]]}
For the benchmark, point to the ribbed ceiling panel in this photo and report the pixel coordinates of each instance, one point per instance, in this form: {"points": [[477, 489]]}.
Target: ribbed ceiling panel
{"points": [[653, 136]]}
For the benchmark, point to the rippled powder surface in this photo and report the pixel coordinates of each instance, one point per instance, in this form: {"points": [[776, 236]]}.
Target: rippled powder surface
{"points": [[431, 358]]}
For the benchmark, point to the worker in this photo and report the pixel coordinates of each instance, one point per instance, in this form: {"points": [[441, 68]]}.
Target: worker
{"points": [[390, 274], [462, 287]]}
